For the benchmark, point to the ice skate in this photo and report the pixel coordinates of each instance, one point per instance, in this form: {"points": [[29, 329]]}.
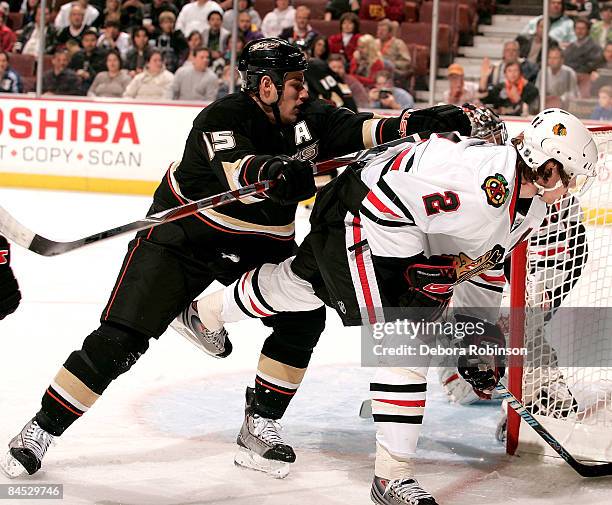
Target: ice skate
{"points": [[400, 492], [261, 446], [26, 451], [214, 343]]}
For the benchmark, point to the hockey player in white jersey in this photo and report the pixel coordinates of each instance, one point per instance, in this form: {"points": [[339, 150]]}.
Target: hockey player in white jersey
{"points": [[420, 224]]}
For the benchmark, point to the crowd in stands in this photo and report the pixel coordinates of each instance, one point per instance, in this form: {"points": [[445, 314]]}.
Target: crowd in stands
{"points": [[180, 50], [579, 64]]}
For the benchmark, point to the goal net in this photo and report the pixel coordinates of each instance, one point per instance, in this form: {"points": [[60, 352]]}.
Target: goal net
{"points": [[561, 289]]}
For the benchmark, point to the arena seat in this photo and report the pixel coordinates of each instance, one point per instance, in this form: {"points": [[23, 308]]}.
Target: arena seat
{"points": [[420, 33], [15, 20], [23, 64]]}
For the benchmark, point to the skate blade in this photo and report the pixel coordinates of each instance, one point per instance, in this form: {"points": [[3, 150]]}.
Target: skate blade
{"points": [[182, 330], [248, 459], [11, 467]]}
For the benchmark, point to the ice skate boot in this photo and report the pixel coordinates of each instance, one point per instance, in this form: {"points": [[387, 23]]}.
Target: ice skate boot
{"points": [[400, 492], [261, 446], [214, 343], [26, 451]]}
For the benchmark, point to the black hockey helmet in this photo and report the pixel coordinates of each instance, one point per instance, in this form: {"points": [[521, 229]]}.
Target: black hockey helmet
{"points": [[273, 57]]}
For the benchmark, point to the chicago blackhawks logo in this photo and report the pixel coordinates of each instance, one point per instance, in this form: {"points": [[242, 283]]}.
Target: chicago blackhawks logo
{"points": [[496, 189], [559, 129], [467, 267]]}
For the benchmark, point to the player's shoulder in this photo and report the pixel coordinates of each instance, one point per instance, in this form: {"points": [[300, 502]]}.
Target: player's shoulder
{"points": [[317, 109], [231, 109]]}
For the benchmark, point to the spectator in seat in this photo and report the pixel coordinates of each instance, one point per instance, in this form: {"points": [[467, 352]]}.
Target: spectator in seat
{"points": [[394, 50], [280, 18], [112, 82], [194, 15], [28, 9], [367, 60], [600, 30], [31, 34], [243, 5], [336, 8], [137, 55], [10, 81], [88, 61], [345, 42], [583, 55], [154, 83], [301, 33], [516, 96], [603, 111], [459, 91], [151, 12], [530, 46], [76, 27], [194, 41], [215, 36], [384, 95], [196, 82], [381, 9], [111, 12], [561, 80], [494, 74], [7, 36], [246, 29], [113, 38], [603, 75], [170, 42], [89, 12], [582, 8], [337, 64], [319, 48], [561, 26], [131, 14], [60, 80]]}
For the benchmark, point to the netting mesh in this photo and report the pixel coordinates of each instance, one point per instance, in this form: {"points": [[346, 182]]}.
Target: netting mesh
{"points": [[568, 372]]}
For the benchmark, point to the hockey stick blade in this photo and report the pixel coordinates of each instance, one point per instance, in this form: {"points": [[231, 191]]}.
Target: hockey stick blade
{"points": [[583, 469], [26, 238]]}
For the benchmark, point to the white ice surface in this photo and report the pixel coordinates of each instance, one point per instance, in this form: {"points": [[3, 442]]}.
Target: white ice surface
{"points": [[165, 432]]}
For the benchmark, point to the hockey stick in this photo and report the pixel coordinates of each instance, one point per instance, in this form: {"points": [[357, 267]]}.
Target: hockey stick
{"points": [[583, 469], [26, 238]]}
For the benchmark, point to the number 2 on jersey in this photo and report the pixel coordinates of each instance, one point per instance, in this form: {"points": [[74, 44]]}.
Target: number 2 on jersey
{"points": [[436, 202]]}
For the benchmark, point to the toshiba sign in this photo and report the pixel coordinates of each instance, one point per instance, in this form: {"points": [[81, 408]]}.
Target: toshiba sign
{"points": [[86, 144]]}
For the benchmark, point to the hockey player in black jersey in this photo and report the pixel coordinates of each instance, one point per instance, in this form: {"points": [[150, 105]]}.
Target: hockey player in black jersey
{"points": [[418, 225], [10, 296], [268, 130]]}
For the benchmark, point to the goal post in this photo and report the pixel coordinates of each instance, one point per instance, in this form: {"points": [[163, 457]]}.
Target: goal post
{"points": [[561, 312]]}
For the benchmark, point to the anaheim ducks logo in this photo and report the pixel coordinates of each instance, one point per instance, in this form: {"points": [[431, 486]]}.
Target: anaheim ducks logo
{"points": [[496, 189], [559, 129], [467, 267]]}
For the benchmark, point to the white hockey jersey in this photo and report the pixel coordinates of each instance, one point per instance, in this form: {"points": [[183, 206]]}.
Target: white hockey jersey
{"points": [[444, 197]]}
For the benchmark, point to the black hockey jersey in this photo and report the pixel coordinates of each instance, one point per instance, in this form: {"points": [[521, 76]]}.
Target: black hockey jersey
{"points": [[232, 138]]}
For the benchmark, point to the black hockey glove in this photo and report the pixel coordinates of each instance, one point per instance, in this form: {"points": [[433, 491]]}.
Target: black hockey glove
{"points": [[294, 179], [483, 369], [438, 119], [10, 296], [430, 285]]}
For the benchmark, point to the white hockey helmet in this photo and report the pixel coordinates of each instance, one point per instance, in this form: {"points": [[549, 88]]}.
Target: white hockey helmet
{"points": [[558, 135]]}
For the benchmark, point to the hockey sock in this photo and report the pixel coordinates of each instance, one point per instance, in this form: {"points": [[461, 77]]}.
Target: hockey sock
{"points": [[284, 358], [398, 403], [107, 353], [388, 466], [275, 386]]}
